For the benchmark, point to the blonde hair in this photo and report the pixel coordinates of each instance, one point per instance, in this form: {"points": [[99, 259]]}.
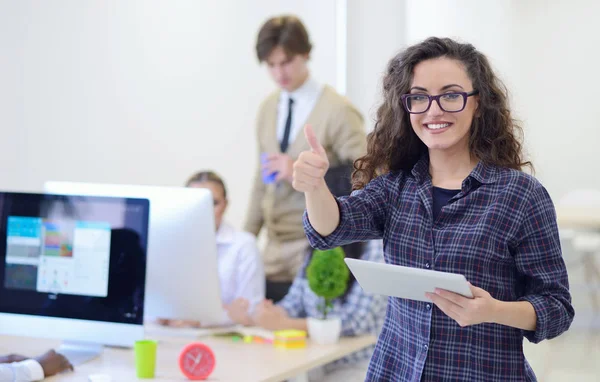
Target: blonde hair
{"points": [[207, 176]]}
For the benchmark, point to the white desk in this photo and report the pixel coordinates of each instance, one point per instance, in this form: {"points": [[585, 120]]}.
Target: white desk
{"points": [[235, 361]]}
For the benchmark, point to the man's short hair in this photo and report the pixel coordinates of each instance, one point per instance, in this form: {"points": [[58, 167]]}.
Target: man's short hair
{"points": [[285, 31]]}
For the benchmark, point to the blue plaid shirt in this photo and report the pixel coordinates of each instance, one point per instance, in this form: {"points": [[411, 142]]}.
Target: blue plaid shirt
{"points": [[360, 312], [499, 231]]}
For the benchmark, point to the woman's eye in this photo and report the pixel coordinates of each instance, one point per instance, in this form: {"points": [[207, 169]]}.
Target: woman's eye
{"points": [[451, 96], [418, 98]]}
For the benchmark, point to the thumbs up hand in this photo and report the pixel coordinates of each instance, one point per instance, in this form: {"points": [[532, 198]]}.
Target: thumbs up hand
{"points": [[311, 166]]}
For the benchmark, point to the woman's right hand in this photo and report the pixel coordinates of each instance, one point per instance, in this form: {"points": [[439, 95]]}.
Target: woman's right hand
{"points": [[238, 311], [311, 166], [309, 177], [178, 323]]}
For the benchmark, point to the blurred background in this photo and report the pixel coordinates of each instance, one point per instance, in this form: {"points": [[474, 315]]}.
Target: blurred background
{"points": [[148, 92]]}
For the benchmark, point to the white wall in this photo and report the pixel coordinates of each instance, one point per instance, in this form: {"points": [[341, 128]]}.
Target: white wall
{"points": [[556, 48], [141, 92], [376, 32]]}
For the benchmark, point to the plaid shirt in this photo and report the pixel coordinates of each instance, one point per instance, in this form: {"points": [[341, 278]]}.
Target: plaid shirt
{"points": [[361, 313], [499, 231]]}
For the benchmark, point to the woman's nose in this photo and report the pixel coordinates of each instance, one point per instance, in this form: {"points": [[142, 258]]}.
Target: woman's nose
{"points": [[435, 109]]}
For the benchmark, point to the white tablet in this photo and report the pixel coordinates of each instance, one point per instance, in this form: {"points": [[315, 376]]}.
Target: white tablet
{"points": [[405, 282]]}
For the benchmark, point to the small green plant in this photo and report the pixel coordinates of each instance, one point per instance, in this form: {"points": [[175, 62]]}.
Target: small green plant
{"points": [[327, 276]]}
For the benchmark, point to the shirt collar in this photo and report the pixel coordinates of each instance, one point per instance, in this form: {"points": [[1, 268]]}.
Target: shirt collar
{"points": [[421, 169], [307, 91], [225, 234], [482, 173]]}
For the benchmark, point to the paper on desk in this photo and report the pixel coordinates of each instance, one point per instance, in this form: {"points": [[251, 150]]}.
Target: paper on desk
{"points": [[242, 331], [236, 330], [167, 331]]}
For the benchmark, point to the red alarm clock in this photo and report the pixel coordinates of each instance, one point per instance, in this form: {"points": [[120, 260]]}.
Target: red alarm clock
{"points": [[197, 361]]}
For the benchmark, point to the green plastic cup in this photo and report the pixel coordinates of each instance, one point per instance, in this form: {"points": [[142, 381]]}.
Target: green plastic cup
{"points": [[145, 358]]}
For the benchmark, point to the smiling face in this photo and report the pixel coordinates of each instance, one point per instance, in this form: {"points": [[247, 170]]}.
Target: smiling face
{"points": [[438, 129]]}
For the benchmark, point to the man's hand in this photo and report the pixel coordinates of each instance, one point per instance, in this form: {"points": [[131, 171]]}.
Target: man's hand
{"points": [[282, 164], [53, 363]]}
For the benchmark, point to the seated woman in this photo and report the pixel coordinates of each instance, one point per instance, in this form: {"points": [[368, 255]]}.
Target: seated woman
{"points": [[360, 313], [240, 266]]}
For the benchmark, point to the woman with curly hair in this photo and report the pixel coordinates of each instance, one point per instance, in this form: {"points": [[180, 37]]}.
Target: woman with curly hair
{"points": [[442, 185]]}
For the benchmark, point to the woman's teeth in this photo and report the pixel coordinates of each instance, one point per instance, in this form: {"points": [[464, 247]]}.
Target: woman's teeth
{"points": [[436, 126]]}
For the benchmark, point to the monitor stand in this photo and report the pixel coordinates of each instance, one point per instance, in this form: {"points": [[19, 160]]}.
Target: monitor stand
{"points": [[80, 352]]}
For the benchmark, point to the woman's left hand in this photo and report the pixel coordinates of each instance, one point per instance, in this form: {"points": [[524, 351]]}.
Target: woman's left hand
{"points": [[465, 311]]}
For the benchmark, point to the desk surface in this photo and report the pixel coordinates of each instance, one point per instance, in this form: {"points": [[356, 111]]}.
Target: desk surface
{"points": [[236, 361]]}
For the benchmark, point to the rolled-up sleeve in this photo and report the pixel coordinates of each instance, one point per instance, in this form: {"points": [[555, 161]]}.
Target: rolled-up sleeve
{"points": [[539, 259], [362, 217], [25, 371]]}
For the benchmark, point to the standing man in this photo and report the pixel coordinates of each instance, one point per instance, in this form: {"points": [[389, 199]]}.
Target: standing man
{"points": [[284, 45]]}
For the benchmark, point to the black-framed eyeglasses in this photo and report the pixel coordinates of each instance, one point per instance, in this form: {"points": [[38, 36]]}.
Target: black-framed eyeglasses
{"points": [[453, 102]]}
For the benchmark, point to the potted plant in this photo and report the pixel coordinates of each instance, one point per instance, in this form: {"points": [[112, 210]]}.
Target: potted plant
{"points": [[327, 276]]}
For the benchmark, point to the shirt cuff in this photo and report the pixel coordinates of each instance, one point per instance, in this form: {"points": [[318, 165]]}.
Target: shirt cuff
{"points": [[320, 242], [36, 373], [541, 323]]}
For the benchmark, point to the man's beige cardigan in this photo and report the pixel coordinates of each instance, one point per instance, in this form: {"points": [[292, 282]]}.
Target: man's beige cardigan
{"points": [[339, 127]]}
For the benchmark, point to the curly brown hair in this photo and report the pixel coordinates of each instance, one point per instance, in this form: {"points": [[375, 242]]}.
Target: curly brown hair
{"points": [[394, 146]]}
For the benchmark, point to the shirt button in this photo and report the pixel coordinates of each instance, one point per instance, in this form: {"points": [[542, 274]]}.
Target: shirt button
{"points": [[427, 265], [428, 306], [425, 347]]}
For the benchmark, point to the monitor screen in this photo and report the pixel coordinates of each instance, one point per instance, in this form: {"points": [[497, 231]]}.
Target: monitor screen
{"points": [[73, 256], [181, 242]]}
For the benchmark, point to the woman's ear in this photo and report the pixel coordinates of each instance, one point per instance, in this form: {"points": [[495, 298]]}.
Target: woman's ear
{"points": [[477, 113]]}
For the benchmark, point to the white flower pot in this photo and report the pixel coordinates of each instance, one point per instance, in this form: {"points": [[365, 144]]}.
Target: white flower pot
{"points": [[324, 332]]}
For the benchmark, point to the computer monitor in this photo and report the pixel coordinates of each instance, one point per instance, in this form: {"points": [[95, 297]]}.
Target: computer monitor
{"points": [[182, 279], [73, 268]]}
